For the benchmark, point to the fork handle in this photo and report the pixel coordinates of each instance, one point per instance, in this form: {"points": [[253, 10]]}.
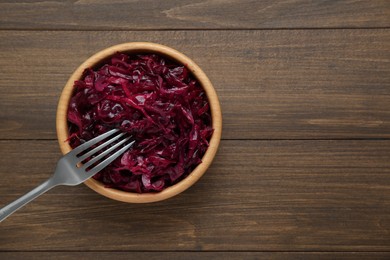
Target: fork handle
{"points": [[17, 204]]}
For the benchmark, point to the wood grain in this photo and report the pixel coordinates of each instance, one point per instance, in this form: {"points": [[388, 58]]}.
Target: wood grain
{"points": [[303, 170], [302, 195], [189, 14], [193, 255], [281, 84]]}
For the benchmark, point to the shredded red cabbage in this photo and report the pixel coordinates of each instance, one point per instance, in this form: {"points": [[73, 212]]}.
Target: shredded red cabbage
{"points": [[159, 103]]}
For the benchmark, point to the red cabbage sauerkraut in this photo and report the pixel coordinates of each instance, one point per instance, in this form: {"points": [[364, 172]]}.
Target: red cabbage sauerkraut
{"points": [[158, 102]]}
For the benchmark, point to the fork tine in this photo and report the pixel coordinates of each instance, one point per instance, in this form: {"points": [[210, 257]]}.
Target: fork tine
{"points": [[101, 155], [107, 161], [91, 142], [93, 151]]}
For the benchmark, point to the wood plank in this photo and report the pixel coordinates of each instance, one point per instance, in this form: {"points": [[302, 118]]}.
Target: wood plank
{"points": [[189, 14], [193, 255], [282, 84], [302, 195]]}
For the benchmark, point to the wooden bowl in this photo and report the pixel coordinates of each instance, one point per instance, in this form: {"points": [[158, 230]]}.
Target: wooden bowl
{"points": [[132, 48]]}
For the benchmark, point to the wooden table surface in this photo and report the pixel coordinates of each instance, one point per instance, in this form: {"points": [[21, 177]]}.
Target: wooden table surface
{"points": [[303, 170]]}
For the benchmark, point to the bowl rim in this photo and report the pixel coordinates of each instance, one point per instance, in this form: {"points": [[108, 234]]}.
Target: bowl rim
{"points": [[144, 47]]}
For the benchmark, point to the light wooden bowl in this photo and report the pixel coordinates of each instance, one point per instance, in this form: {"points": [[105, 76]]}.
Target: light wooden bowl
{"points": [[143, 47]]}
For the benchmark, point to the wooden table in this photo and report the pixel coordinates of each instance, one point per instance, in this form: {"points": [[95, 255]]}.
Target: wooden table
{"points": [[303, 169]]}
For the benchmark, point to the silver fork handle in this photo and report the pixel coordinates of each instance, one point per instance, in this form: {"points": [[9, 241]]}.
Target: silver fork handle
{"points": [[17, 204]]}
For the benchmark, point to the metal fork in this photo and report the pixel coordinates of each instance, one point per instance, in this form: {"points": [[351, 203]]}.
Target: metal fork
{"points": [[70, 170]]}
